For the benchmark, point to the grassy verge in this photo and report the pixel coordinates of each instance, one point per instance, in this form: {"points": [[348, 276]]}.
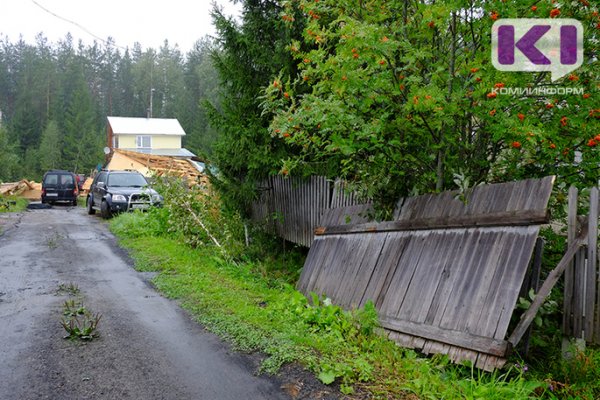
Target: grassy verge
{"points": [[257, 313], [12, 204]]}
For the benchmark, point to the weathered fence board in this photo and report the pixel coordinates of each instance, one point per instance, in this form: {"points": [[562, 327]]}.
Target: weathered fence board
{"points": [[355, 214], [567, 325], [596, 314], [292, 207], [446, 275], [581, 295], [507, 218], [482, 200], [591, 266], [457, 338]]}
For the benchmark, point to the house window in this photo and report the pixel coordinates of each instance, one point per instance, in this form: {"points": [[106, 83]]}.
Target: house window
{"points": [[115, 142], [144, 142]]}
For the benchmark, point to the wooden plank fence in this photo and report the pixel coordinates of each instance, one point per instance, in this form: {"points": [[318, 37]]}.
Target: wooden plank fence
{"points": [[445, 275], [292, 207], [471, 233], [581, 314]]}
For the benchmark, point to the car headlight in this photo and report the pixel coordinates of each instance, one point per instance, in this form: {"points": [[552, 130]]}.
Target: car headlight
{"points": [[157, 198], [119, 197]]}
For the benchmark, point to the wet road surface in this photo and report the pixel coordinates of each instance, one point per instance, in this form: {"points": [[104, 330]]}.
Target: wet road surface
{"points": [[148, 347]]}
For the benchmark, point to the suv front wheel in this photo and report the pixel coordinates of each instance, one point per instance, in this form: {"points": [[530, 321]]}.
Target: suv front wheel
{"points": [[105, 210], [90, 209]]}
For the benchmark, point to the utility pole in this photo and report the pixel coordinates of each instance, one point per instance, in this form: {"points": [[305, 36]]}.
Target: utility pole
{"points": [[151, 96], [151, 88]]}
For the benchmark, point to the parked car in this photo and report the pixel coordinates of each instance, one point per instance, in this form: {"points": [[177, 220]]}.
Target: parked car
{"points": [[117, 191], [80, 179], [58, 185]]}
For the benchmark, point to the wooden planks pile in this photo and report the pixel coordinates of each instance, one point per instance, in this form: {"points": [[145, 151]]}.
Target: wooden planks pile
{"points": [[445, 276], [27, 189], [165, 165], [293, 207]]}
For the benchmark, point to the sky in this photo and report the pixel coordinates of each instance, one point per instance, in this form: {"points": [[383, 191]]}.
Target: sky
{"points": [[148, 22]]}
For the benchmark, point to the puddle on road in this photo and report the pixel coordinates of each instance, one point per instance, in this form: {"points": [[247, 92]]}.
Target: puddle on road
{"points": [[85, 235]]}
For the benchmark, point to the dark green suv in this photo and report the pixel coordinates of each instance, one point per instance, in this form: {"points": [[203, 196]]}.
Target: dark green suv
{"points": [[116, 191]]}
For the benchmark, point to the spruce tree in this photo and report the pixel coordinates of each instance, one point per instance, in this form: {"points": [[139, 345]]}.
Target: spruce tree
{"points": [[50, 147], [250, 54], [8, 159]]}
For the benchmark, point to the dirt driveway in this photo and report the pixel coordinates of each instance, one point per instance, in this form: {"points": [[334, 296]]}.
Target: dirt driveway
{"points": [[148, 348]]}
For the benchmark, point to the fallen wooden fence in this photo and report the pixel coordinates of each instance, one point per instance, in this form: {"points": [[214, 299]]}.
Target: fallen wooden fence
{"points": [[445, 276]]}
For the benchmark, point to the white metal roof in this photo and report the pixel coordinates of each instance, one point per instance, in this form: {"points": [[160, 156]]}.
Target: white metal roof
{"points": [[145, 126]]}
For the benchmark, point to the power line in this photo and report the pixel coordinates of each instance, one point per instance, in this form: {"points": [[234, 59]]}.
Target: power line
{"points": [[77, 25]]}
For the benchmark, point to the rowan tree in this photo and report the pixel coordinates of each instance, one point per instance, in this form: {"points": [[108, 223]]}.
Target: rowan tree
{"points": [[398, 97]]}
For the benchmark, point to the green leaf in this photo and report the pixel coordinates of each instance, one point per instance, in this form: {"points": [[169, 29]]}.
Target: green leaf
{"points": [[346, 389], [327, 377]]}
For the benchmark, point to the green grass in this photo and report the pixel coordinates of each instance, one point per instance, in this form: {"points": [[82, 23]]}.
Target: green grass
{"points": [[12, 204], [245, 306]]}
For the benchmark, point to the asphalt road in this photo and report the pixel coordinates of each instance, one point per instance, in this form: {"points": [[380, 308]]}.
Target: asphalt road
{"points": [[148, 347]]}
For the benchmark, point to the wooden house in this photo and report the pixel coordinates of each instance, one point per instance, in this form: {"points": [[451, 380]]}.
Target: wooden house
{"points": [[151, 146], [156, 136]]}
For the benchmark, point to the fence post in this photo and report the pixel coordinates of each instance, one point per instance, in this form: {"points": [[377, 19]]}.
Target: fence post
{"points": [[592, 329], [569, 272], [573, 321]]}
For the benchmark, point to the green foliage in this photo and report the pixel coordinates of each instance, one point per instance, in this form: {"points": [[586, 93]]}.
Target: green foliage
{"points": [[78, 321], [9, 162], [138, 224], [549, 307], [577, 376], [201, 74], [12, 204], [397, 97], [199, 217], [68, 288], [249, 53], [81, 145], [50, 147], [212, 220], [81, 324], [72, 309], [474, 384]]}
